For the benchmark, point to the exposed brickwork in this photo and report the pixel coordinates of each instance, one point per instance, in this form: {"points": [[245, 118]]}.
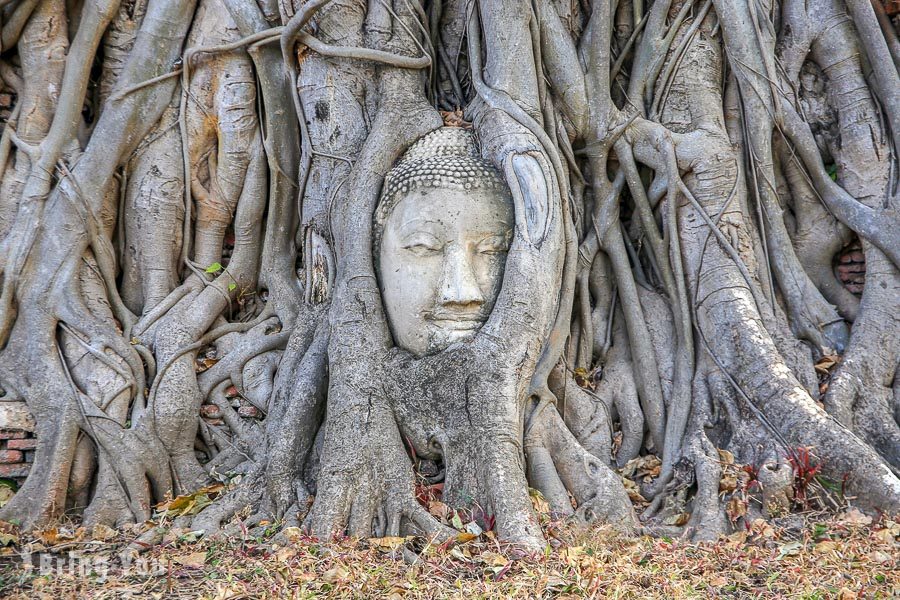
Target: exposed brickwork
{"points": [[210, 411], [17, 471], [22, 444], [212, 414], [17, 441], [15, 460], [249, 412], [11, 456], [850, 267]]}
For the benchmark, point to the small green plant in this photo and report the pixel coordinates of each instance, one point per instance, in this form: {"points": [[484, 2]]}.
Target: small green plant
{"points": [[820, 530]]}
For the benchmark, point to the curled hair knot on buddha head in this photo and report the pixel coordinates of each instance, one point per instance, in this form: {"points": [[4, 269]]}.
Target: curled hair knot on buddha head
{"points": [[446, 158]]}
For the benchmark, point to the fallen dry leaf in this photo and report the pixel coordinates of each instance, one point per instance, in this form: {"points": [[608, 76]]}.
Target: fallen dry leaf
{"points": [[191, 504], [336, 574], [726, 457], [8, 539], [541, 506], [102, 533], [6, 494], [292, 534], [438, 509], [826, 364], [285, 554], [677, 519], [194, 560], [736, 508], [854, 516], [387, 543], [493, 559]]}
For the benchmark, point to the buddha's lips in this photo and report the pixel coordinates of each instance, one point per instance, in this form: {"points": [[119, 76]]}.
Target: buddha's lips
{"points": [[460, 322]]}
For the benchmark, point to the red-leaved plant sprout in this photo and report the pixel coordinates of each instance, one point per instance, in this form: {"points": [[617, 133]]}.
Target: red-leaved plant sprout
{"points": [[805, 470]]}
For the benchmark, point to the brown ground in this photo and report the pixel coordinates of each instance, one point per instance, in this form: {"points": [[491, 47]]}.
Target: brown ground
{"points": [[801, 556]]}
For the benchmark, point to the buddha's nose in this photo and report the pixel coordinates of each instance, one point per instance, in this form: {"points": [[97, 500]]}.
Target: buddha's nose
{"points": [[459, 284]]}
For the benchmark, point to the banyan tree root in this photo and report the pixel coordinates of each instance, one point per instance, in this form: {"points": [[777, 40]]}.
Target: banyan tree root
{"points": [[195, 227]]}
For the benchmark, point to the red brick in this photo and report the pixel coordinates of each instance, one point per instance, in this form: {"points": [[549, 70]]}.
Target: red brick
{"points": [[22, 444], [852, 255], [11, 434], [11, 456], [248, 412], [15, 470], [852, 268], [210, 411]]}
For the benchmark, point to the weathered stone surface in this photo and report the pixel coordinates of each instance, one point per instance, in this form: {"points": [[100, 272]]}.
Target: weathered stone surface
{"points": [[15, 415]]}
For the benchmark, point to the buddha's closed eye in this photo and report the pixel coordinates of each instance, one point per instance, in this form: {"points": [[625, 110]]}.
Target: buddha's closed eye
{"points": [[495, 244], [422, 244]]}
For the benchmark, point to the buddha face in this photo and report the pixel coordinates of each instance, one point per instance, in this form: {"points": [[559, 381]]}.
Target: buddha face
{"points": [[441, 264]]}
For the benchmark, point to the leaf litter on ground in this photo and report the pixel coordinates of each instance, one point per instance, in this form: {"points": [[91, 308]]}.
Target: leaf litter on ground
{"points": [[814, 555]]}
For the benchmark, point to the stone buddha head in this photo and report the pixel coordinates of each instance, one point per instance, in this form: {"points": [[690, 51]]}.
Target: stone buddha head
{"points": [[442, 230]]}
